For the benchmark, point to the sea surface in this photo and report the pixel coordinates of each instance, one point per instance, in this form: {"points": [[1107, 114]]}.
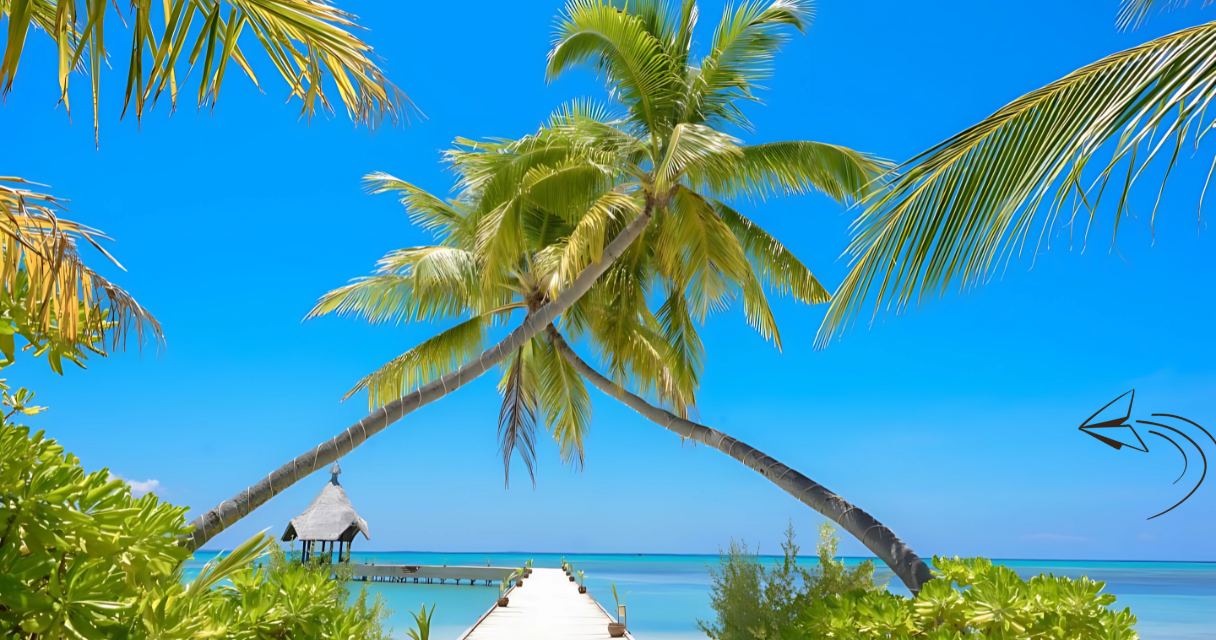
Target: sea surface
{"points": [[665, 595]]}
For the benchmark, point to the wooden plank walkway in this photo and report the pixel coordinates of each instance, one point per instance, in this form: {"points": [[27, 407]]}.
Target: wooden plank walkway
{"points": [[547, 607]]}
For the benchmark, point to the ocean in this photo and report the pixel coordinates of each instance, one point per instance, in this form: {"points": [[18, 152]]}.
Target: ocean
{"points": [[665, 595]]}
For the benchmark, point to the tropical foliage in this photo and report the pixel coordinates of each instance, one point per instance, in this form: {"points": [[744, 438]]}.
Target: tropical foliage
{"points": [[60, 307], [422, 624], [80, 557], [753, 601], [972, 599], [306, 40], [963, 207]]}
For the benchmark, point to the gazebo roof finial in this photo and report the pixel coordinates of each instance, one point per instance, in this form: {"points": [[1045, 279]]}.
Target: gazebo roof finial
{"points": [[336, 471]]}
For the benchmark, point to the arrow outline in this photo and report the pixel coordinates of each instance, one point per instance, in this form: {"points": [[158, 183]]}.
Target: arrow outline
{"points": [[1123, 422]]}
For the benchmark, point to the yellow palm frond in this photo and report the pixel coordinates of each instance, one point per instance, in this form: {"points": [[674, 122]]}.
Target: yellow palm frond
{"points": [[64, 299], [311, 43]]}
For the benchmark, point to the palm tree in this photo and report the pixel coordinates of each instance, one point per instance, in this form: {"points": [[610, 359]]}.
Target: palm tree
{"points": [[544, 377], [666, 161], [966, 204]]}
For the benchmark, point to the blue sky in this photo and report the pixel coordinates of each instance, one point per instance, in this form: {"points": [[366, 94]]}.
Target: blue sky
{"points": [[955, 423]]}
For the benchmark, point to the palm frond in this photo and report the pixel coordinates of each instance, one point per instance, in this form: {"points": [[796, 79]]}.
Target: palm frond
{"points": [[693, 246], [443, 219], [696, 147], [792, 167], [419, 283], [644, 362], [306, 40], [638, 67], [64, 297], [565, 402], [1134, 13], [517, 417], [779, 267], [956, 209], [425, 363], [687, 358], [585, 244], [740, 56]]}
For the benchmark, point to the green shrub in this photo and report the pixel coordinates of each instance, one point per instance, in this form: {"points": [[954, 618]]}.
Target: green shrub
{"points": [[81, 558], [757, 602], [972, 599]]}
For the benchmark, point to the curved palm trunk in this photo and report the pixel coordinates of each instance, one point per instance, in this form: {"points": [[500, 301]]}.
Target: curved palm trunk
{"points": [[872, 533], [228, 512]]}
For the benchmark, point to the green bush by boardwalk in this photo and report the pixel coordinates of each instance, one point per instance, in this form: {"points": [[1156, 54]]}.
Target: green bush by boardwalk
{"points": [[970, 599], [80, 558]]}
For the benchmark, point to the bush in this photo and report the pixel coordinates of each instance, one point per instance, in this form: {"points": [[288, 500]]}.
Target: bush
{"points": [[972, 599], [757, 602], [81, 558]]}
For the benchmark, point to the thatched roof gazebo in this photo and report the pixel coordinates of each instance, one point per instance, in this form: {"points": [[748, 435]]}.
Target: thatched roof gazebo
{"points": [[328, 519]]}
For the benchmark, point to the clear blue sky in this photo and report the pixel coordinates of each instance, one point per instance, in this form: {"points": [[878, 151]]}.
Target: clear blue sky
{"points": [[955, 423]]}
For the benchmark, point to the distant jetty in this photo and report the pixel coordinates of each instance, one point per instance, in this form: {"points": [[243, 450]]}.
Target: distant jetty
{"points": [[429, 574]]}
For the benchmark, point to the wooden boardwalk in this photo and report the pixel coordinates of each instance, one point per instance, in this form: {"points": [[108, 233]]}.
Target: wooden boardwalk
{"points": [[547, 607]]}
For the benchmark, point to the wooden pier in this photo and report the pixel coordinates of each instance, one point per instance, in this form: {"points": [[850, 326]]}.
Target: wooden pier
{"points": [[547, 607], [429, 574]]}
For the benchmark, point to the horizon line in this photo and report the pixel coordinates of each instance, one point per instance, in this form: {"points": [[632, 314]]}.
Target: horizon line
{"points": [[633, 555]]}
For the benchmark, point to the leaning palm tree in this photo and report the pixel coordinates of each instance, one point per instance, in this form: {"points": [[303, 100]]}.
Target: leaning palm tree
{"points": [[656, 353], [661, 163], [966, 205], [305, 39]]}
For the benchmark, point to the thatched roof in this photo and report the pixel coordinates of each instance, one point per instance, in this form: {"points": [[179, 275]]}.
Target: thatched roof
{"points": [[330, 517]]}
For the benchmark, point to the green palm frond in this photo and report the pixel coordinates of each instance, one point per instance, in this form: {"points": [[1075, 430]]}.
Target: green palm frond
{"points": [[793, 167], [957, 209], [696, 147], [589, 127], [1134, 13], [442, 218], [779, 267], [517, 417], [564, 401], [420, 283], [740, 56], [637, 64], [694, 246], [585, 244], [425, 363], [306, 40], [755, 308], [687, 358], [643, 361]]}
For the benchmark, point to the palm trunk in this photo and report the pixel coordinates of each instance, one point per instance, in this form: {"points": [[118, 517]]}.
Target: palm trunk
{"points": [[872, 533], [228, 512]]}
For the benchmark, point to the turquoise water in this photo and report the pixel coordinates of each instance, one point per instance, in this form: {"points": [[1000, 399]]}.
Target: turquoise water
{"points": [[667, 594]]}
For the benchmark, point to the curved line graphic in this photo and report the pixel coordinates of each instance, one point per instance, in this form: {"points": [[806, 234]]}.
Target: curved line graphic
{"points": [[1185, 463], [1201, 454], [1190, 422]]}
